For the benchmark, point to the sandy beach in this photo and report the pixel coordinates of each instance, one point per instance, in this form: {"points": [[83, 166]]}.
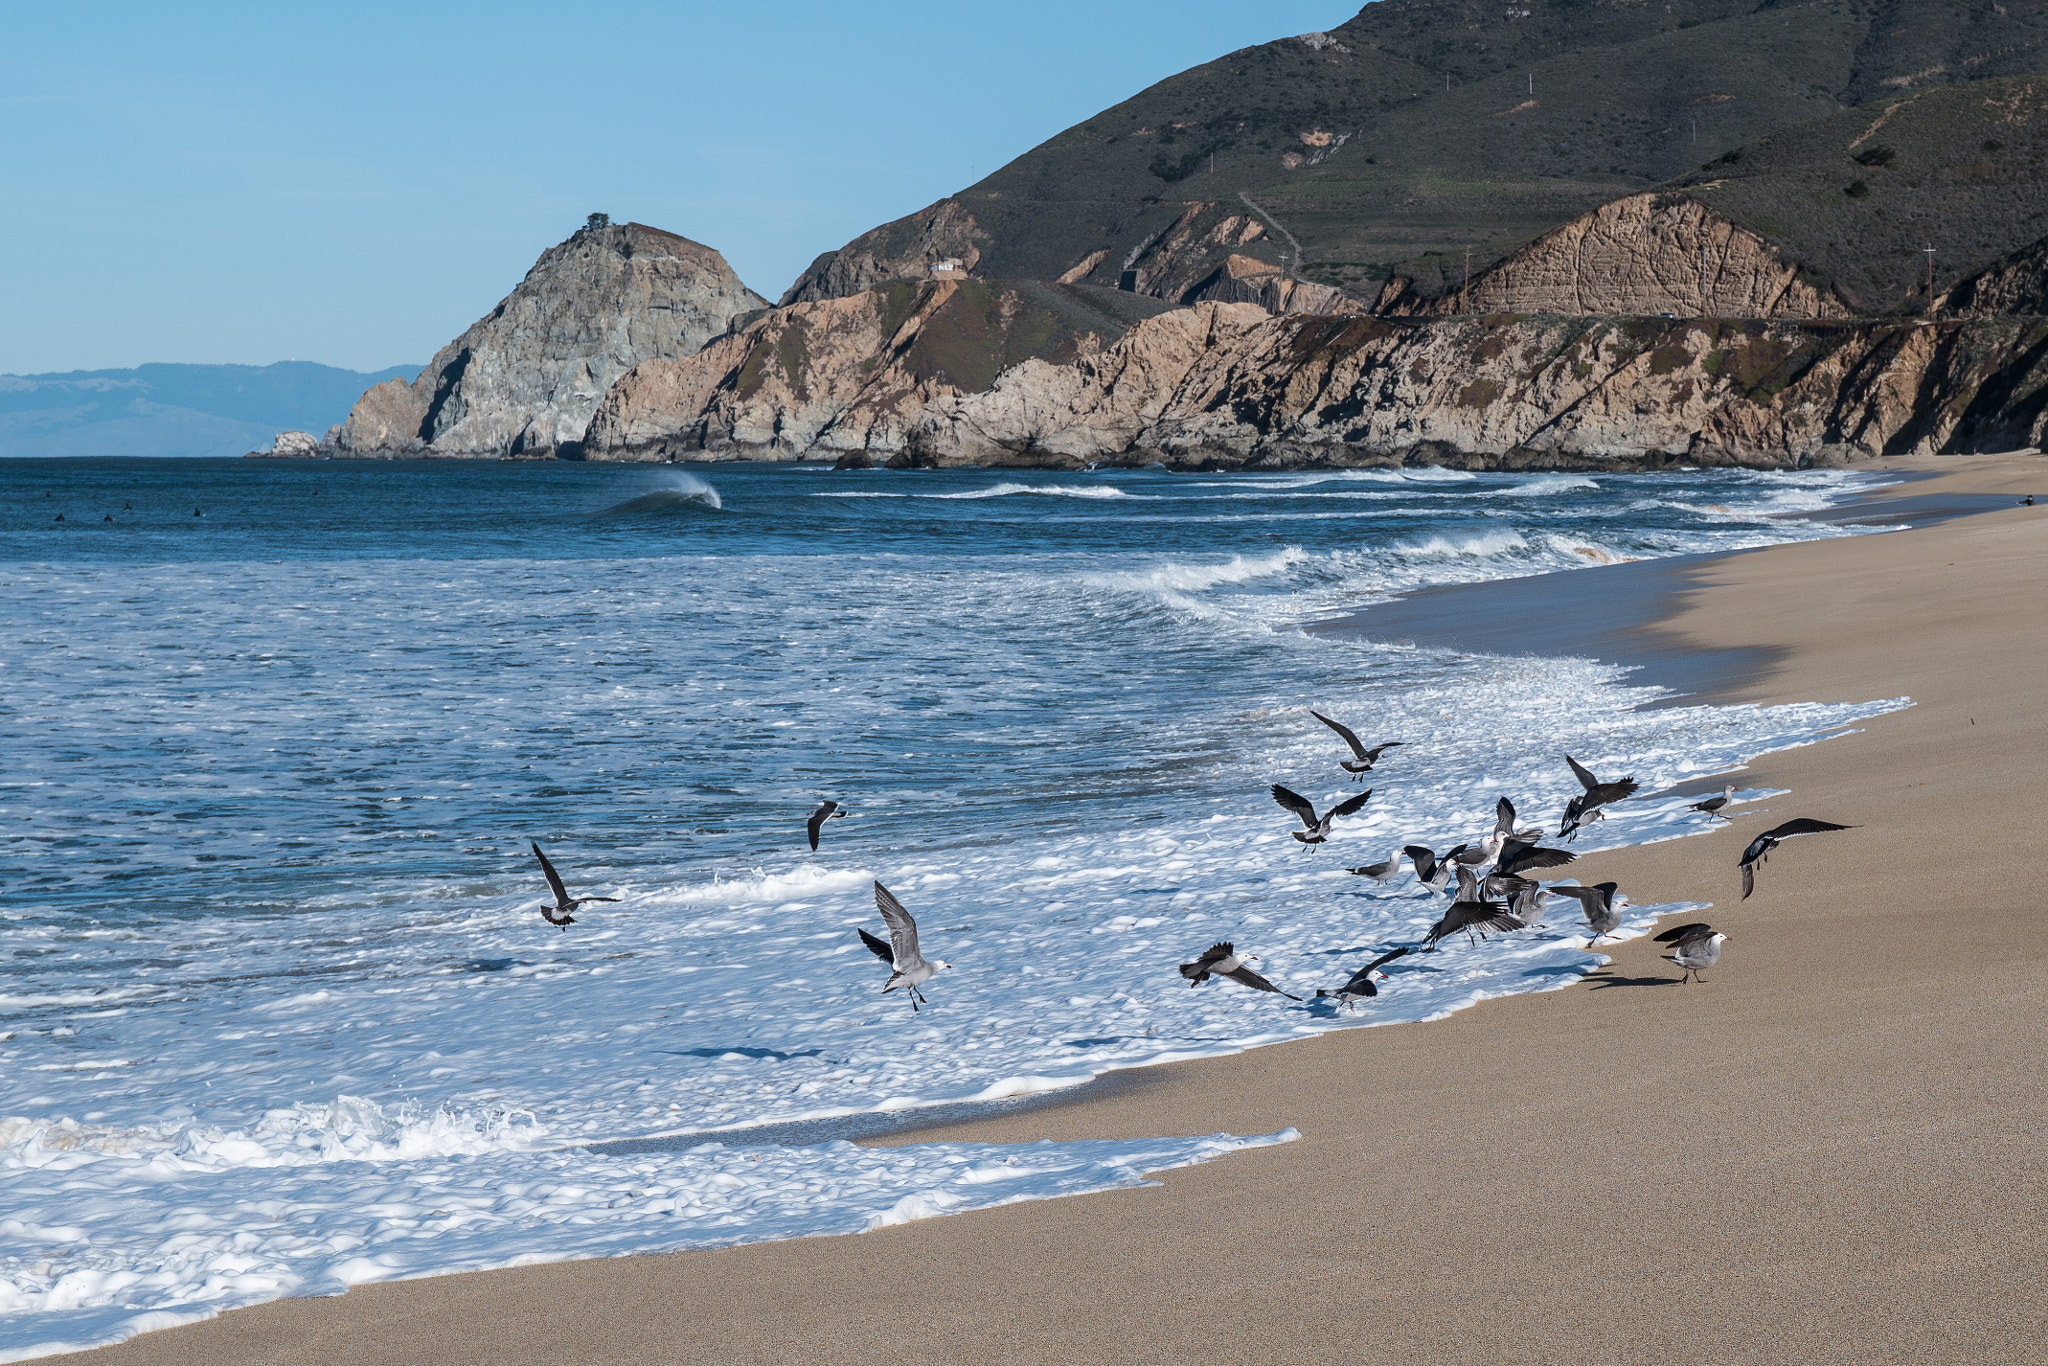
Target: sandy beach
{"points": [[1831, 1151]]}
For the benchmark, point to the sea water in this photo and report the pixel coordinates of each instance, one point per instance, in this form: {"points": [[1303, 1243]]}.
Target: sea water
{"points": [[279, 1014]]}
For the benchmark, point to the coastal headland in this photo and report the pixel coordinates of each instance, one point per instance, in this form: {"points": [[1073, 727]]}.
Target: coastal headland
{"points": [[1829, 1152]]}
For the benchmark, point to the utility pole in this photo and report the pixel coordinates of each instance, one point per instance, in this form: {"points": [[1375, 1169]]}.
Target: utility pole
{"points": [[1929, 249], [1532, 83], [1465, 294], [1447, 82]]}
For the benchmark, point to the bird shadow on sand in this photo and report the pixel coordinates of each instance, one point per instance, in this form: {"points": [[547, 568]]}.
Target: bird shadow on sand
{"points": [[1632, 981]]}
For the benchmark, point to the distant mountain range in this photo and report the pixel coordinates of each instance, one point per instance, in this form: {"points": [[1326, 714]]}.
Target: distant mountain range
{"points": [[218, 410]]}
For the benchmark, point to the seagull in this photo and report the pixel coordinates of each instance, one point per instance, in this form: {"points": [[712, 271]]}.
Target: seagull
{"points": [[1222, 960], [1694, 948], [1469, 913], [1318, 830], [1429, 871], [909, 969], [1760, 848], [559, 913], [1602, 904], [1712, 805], [825, 812], [1382, 873], [1518, 856], [1366, 758], [1584, 809], [1361, 984]]}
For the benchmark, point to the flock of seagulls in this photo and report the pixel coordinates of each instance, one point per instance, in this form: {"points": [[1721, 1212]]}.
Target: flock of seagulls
{"points": [[1493, 889]]}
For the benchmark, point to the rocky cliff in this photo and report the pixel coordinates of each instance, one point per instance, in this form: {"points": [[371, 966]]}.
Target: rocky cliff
{"points": [[1223, 386], [2017, 284], [1647, 254], [846, 376], [525, 379]]}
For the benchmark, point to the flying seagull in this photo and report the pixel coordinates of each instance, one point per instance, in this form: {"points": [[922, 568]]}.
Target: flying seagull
{"points": [[1602, 903], [1713, 805], [1222, 960], [1519, 856], [1584, 809], [1760, 848], [909, 969], [1694, 947], [559, 913], [1429, 871], [1382, 873], [1469, 912], [1361, 984], [825, 812], [1365, 758], [1318, 829]]}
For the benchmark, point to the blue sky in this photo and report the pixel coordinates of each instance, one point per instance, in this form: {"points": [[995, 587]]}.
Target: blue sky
{"points": [[357, 184]]}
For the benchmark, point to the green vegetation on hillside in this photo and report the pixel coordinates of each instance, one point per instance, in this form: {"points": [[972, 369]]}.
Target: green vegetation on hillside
{"points": [[1436, 125]]}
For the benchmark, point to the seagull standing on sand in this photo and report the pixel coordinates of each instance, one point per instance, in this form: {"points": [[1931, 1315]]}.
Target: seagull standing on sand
{"points": [[1694, 948], [1602, 903], [1363, 760], [1760, 848], [1713, 805], [909, 969], [558, 914], [1584, 809], [1382, 873], [1361, 984], [1317, 828], [1223, 960], [825, 812]]}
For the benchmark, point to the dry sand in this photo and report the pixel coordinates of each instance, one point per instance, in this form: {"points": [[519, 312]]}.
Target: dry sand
{"points": [[1833, 1151]]}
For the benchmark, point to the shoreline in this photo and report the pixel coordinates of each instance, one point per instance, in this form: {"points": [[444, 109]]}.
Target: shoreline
{"points": [[1423, 1140]]}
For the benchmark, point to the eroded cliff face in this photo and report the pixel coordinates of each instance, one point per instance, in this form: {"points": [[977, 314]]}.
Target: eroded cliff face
{"points": [[525, 379], [1225, 387], [2017, 285], [1648, 254], [844, 377], [906, 249], [1245, 280]]}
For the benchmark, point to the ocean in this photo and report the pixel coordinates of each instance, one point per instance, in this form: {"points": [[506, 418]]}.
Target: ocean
{"points": [[278, 1012]]}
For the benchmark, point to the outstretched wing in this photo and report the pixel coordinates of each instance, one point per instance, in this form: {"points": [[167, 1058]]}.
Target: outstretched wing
{"points": [[878, 948], [1588, 897], [1748, 880], [817, 822], [1424, 859], [1603, 793], [1803, 826], [1372, 756], [1357, 749], [1349, 806], [1519, 855], [1503, 818], [1586, 779], [1758, 847], [1245, 975], [1361, 983], [1298, 804], [902, 929], [554, 878], [1681, 932]]}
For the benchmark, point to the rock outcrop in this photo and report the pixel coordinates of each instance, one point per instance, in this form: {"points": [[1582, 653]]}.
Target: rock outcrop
{"points": [[906, 249], [845, 377], [291, 446], [2015, 285], [1225, 387], [1246, 280], [524, 381], [1647, 254]]}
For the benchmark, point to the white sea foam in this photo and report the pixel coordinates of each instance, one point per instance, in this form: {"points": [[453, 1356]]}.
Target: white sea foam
{"points": [[298, 967], [1006, 490], [182, 1237]]}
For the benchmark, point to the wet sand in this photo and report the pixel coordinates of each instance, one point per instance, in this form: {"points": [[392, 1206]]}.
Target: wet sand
{"points": [[1832, 1151]]}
